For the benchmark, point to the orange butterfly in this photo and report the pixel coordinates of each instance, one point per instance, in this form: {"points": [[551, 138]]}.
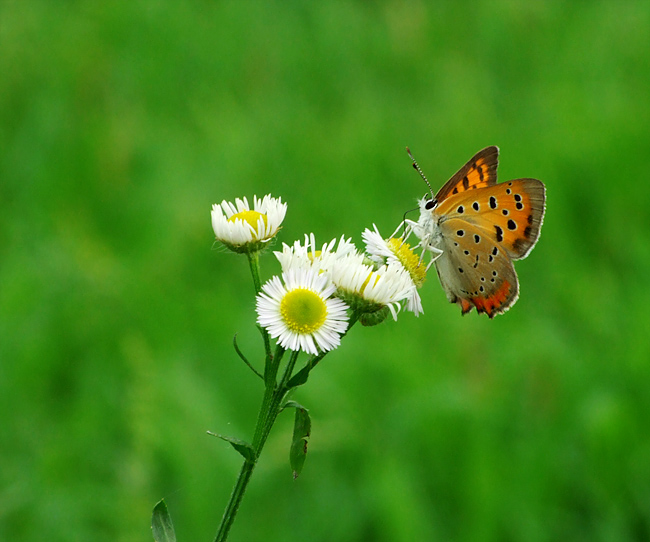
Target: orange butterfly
{"points": [[476, 227]]}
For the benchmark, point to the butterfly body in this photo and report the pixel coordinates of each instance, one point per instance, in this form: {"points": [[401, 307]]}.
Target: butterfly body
{"points": [[476, 228]]}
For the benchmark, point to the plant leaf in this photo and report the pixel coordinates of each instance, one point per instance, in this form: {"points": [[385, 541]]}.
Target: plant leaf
{"points": [[301, 432], [243, 358], [161, 524], [292, 404], [243, 447], [299, 378]]}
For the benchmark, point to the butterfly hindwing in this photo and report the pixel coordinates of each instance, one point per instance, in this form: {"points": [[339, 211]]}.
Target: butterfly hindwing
{"points": [[480, 171], [474, 270]]}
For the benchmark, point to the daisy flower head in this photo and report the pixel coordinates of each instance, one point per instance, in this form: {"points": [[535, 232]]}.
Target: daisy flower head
{"points": [[307, 254], [395, 252], [368, 290], [243, 229], [300, 312]]}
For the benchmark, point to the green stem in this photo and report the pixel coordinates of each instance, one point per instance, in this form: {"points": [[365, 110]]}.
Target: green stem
{"points": [[269, 410], [274, 394], [254, 264], [235, 500]]}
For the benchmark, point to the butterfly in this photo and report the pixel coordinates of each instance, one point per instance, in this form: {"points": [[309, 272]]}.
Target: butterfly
{"points": [[475, 228]]}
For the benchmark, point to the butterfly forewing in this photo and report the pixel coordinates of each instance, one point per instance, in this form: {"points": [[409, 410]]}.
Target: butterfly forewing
{"points": [[480, 171], [474, 270], [511, 213]]}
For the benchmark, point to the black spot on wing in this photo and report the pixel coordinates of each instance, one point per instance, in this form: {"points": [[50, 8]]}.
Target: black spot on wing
{"points": [[499, 232]]}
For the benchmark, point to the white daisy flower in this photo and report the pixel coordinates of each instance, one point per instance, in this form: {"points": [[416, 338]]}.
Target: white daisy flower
{"points": [[307, 255], [396, 252], [300, 313], [369, 290], [243, 229]]}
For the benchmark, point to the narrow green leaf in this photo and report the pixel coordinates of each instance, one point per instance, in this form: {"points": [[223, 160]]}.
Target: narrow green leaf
{"points": [[161, 524], [292, 404], [301, 432], [243, 447], [299, 378], [243, 358]]}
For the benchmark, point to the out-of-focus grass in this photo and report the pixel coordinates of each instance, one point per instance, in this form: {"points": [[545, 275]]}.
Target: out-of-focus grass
{"points": [[121, 123]]}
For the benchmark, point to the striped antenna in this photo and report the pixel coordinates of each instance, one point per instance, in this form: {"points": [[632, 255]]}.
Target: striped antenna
{"points": [[417, 168]]}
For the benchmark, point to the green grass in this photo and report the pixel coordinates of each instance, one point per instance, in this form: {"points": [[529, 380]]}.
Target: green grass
{"points": [[121, 123]]}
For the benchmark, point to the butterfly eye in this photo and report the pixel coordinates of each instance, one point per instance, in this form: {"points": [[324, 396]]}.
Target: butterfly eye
{"points": [[430, 204]]}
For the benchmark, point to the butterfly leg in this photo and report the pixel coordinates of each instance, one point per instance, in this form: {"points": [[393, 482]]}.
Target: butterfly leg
{"points": [[434, 250], [436, 254]]}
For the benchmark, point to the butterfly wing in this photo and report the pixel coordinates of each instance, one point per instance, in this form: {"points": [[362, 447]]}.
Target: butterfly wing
{"points": [[474, 270], [510, 213], [480, 171]]}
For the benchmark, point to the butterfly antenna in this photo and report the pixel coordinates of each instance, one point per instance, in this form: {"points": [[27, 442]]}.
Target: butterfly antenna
{"points": [[417, 168], [403, 224]]}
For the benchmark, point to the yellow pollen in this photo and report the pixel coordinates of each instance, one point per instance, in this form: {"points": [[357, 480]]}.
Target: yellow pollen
{"points": [[303, 311], [250, 217], [409, 260]]}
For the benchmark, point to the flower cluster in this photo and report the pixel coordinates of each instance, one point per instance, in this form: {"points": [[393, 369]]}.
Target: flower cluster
{"points": [[322, 289]]}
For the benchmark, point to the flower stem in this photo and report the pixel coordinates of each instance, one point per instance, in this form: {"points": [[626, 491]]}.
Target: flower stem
{"points": [[254, 264], [269, 410]]}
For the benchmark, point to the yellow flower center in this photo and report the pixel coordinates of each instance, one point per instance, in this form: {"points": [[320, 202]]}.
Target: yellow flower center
{"points": [[303, 311], [409, 260], [250, 217]]}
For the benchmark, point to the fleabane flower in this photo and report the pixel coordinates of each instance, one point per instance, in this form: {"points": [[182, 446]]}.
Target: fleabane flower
{"points": [[308, 255], [243, 229], [368, 290], [394, 251], [300, 313]]}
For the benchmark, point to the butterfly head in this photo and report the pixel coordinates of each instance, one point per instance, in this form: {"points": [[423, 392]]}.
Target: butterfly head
{"points": [[427, 228], [428, 204]]}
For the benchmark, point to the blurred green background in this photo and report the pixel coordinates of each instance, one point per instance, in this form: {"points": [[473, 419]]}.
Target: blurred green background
{"points": [[121, 123]]}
